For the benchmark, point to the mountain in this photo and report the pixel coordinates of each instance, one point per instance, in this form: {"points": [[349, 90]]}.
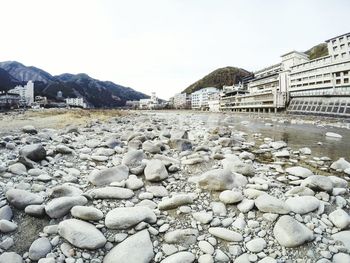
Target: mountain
{"points": [[317, 51], [99, 94], [7, 81], [218, 78]]}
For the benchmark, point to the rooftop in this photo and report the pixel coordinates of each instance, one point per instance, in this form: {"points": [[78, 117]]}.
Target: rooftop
{"points": [[337, 37]]}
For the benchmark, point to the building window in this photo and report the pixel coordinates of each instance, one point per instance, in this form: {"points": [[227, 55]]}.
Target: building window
{"points": [[337, 81], [346, 80], [335, 56], [341, 39], [337, 74], [342, 46], [335, 48], [345, 73]]}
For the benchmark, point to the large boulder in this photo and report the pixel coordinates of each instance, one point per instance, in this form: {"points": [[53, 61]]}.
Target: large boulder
{"points": [[109, 175], [299, 171], [81, 234], [61, 206], [110, 192], [40, 248], [126, 217], [340, 165], [269, 204], [219, 179], [10, 257], [290, 233], [21, 198], [32, 153], [318, 182], [155, 171], [343, 237], [303, 204], [137, 248], [340, 218]]}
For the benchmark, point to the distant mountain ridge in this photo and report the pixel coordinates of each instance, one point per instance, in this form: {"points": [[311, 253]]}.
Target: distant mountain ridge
{"points": [[97, 93]]}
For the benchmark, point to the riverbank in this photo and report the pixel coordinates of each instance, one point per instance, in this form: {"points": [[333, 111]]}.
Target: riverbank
{"points": [[171, 187]]}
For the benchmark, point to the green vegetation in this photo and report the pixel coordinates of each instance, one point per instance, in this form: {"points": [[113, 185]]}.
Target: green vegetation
{"points": [[317, 51], [219, 78]]}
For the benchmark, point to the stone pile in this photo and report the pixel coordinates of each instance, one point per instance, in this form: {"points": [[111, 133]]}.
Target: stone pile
{"points": [[144, 188]]}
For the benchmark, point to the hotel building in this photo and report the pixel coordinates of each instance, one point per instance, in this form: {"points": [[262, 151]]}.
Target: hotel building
{"points": [[182, 101], [200, 98], [25, 92], [322, 86]]}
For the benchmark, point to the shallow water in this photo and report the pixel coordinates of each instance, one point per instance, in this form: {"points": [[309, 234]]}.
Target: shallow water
{"points": [[296, 135]]}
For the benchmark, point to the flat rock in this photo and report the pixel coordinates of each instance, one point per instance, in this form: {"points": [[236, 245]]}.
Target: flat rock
{"points": [[61, 206], [299, 171], [225, 234], [109, 175], [22, 198], [230, 197], [126, 217], [318, 182], [133, 158], [269, 204], [183, 237], [64, 190], [256, 245], [81, 234], [137, 248], [180, 257], [6, 213], [10, 257], [175, 201], [86, 213], [110, 192], [303, 204], [340, 165], [290, 233]]}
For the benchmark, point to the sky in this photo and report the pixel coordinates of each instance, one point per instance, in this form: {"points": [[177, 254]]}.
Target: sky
{"points": [[162, 46]]}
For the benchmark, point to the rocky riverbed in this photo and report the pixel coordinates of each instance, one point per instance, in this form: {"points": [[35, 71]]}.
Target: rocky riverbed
{"points": [[146, 187]]}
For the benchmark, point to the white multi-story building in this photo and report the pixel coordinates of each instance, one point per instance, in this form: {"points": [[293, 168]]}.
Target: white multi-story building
{"points": [[268, 90], [322, 85], [76, 102], [182, 101], [151, 103], [25, 92], [199, 99]]}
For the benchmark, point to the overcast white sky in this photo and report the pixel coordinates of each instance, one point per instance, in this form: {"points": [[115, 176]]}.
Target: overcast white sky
{"points": [[162, 45]]}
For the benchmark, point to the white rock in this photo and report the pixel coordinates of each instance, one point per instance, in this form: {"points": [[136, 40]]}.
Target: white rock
{"points": [[230, 197], [333, 135], [225, 234], [299, 171], [81, 234], [269, 204], [303, 204], [256, 245], [137, 248], [109, 175], [340, 218], [291, 233], [59, 207], [110, 192], [125, 217], [39, 248], [155, 171], [175, 201], [87, 213], [180, 257]]}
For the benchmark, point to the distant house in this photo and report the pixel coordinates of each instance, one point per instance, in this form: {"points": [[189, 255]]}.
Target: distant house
{"points": [[9, 100], [182, 101], [76, 102], [149, 104]]}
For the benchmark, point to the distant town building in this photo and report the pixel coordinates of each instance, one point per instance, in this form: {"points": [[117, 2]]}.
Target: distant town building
{"points": [[59, 95], [9, 100], [133, 104], [76, 102], [151, 103], [182, 101], [199, 99], [214, 102], [25, 92]]}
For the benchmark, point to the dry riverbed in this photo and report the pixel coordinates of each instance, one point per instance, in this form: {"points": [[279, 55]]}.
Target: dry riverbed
{"points": [[107, 186]]}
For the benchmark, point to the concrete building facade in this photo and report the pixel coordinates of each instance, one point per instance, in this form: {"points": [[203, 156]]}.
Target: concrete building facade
{"points": [[25, 92], [200, 98], [322, 86], [76, 102], [182, 101]]}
